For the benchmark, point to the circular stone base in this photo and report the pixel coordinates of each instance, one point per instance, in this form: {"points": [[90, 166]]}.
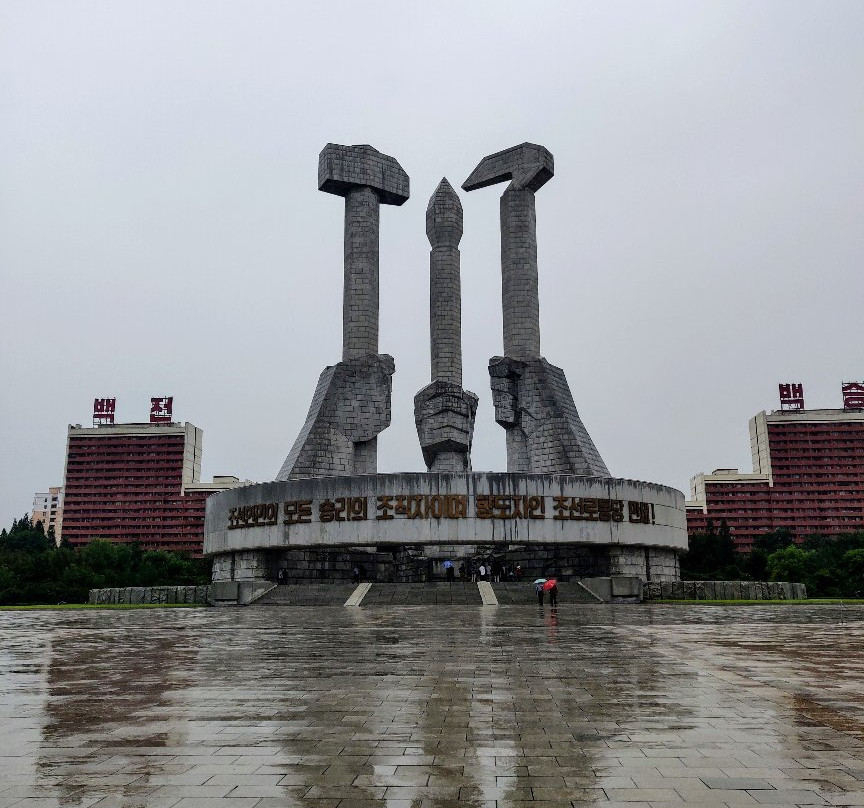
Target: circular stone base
{"points": [[247, 530]]}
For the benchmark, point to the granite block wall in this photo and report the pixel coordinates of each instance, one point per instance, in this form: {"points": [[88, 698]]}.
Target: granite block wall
{"points": [[724, 590], [150, 594]]}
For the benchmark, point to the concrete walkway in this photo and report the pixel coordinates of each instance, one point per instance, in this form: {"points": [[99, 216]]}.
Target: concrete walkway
{"points": [[646, 706], [487, 594], [358, 594]]}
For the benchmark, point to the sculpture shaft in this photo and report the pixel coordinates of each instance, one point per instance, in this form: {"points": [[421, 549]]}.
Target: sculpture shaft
{"points": [[360, 298], [454, 462], [365, 458], [518, 453], [445, 304], [521, 305]]}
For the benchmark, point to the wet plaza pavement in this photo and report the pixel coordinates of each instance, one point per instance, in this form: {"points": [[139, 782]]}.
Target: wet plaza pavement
{"points": [[433, 706]]}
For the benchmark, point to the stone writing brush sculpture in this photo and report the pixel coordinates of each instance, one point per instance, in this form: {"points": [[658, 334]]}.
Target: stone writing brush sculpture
{"points": [[443, 411]]}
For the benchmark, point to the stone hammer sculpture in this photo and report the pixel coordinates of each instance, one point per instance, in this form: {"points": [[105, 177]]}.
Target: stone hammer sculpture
{"points": [[532, 399], [351, 405], [443, 411]]}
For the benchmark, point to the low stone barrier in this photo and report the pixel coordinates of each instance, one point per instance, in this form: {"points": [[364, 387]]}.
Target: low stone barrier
{"points": [[150, 594], [724, 590]]}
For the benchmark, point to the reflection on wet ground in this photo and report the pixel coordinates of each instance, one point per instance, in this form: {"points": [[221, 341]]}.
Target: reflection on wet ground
{"points": [[433, 706]]}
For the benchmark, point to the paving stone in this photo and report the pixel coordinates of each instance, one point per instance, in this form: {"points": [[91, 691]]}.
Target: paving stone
{"points": [[784, 797], [427, 705], [732, 783]]}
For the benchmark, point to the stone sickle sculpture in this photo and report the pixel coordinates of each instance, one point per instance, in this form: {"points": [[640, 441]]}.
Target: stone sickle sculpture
{"points": [[351, 404], [443, 411], [532, 399]]}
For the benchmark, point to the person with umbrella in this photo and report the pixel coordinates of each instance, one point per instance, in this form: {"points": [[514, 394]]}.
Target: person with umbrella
{"points": [[448, 570], [551, 586], [538, 586]]}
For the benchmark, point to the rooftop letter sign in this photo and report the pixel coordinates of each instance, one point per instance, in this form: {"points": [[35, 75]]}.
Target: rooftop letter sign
{"points": [[853, 395], [161, 410], [791, 396], [103, 411]]}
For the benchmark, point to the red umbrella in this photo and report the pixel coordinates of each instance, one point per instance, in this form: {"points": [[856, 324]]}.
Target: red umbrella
{"points": [[549, 584]]}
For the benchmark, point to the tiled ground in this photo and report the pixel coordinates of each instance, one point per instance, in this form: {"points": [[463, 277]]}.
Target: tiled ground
{"points": [[433, 706]]}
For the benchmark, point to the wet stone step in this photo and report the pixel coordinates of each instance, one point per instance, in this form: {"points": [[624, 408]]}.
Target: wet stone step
{"points": [[332, 594], [435, 593], [512, 594]]}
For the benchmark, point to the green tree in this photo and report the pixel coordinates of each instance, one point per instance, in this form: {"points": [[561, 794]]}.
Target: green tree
{"points": [[773, 541], [792, 564], [24, 536], [853, 562], [711, 556], [34, 570], [755, 565]]}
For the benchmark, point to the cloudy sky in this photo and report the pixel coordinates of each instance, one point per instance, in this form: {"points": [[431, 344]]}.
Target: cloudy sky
{"points": [[161, 232]]}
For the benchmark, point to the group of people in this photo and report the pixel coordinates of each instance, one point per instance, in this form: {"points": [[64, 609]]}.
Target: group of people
{"points": [[483, 570], [495, 571], [357, 574], [552, 591]]}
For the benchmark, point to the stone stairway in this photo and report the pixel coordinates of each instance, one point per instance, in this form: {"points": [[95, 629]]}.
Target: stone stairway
{"points": [[519, 594], [440, 593], [433, 593], [324, 593]]}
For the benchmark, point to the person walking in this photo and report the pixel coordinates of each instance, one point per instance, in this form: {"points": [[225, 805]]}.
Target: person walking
{"points": [[448, 570], [355, 575], [553, 595], [539, 588], [482, 572]]}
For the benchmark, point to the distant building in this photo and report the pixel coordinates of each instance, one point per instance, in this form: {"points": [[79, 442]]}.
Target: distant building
{"points": [[48, 509], [137, 483], [808, 477]]}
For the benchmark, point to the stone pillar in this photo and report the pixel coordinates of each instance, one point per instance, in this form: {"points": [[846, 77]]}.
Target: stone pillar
{"points": [[445, 299], [366, 457], [520, 298], [360, 299]]}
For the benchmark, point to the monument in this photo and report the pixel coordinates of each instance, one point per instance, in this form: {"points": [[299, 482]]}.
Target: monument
{"points": [[555, 511]]}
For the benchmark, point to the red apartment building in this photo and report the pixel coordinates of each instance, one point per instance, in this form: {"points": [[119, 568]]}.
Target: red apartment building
{"points": [[137, 483], [808, 477]]}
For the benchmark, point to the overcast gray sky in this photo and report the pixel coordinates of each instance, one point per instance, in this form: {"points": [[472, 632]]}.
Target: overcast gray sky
{"points": [[161, 231]]}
